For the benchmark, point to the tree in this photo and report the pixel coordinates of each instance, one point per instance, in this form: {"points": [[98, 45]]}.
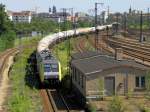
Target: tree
{"points": [[54, 9], [7, 34], [5, 23]]}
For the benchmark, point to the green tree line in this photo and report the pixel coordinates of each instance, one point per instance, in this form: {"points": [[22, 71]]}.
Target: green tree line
{"points": [[9, 30], [7, 33]]}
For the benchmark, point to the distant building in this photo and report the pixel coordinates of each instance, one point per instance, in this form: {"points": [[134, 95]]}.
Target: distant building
{"points": [[130, 10], [58, 17], [117, 75], [18, 17], [81, 14], [42, 15]]}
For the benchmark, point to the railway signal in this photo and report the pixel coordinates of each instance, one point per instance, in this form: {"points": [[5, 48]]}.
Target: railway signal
{"points": [[68, 40]]}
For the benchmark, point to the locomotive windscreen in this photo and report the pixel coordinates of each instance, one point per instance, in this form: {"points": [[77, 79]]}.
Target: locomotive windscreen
{"points": [[51, 67]]}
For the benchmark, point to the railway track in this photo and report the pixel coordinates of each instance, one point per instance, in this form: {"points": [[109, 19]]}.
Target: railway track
{"points": [[130, 47], [4, 56], [104, 48], [57, 100], [136, 50], [6, 60], [54, 101], [79, 46], [137, 32], [134, 42]]}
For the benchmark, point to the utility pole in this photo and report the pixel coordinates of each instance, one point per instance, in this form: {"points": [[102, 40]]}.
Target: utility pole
{"points": [[125, 23], [68, 40], [96, 30], [108, 11], [148, 18], [141, 27], [117, 20]]}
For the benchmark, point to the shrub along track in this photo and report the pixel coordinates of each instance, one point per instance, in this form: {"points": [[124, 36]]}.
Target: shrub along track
{"points": [[24, 81]]}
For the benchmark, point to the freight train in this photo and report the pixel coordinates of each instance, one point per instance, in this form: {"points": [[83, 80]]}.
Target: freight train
{"points": [[48, 66]]}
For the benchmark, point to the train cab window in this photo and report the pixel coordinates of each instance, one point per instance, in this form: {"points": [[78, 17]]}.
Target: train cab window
{"points": [[54, 67], [47, 58], [47, 68]]}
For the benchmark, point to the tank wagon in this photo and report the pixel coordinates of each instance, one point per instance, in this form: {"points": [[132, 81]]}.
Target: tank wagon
{"points": [[48, 66]]}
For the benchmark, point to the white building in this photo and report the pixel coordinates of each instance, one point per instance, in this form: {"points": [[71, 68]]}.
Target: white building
{"points": [[24, 16]]}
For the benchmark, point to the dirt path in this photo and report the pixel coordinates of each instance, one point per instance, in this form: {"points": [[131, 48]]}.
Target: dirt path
{"points": [[4, 85]]}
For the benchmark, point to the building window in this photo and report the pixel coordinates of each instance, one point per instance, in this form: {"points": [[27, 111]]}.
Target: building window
{"points": [[75, 74], [72, 71], [82, 81], [78, 77], [140, 82], [143, 82]]}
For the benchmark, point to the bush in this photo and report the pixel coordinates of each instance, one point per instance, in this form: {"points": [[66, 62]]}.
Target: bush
{"points": [[143, 108], [90, 107], [7, 40], [116, 105], [7, 34]]}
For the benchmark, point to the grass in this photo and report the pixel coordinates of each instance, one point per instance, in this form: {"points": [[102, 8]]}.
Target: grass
{"points": [[61, 52], [25, 94], [26, 40]]}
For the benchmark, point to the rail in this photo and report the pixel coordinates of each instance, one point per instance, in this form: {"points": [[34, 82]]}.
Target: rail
{"points": [[4, 56], [140, 52], [80, 46], [64, 102], [53, 101]]}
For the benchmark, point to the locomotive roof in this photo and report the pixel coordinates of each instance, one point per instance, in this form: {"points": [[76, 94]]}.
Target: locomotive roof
{"points": [[47, 57]]}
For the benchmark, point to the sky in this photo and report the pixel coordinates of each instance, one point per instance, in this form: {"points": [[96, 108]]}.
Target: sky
{"points": [[78, 5]]}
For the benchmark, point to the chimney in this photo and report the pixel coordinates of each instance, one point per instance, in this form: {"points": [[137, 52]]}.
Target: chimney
{"points": [[118, 53]]}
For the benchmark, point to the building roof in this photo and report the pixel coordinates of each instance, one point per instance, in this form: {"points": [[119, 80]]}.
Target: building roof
{"points": [[27, 13], [86, 54], [99, 63]]}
